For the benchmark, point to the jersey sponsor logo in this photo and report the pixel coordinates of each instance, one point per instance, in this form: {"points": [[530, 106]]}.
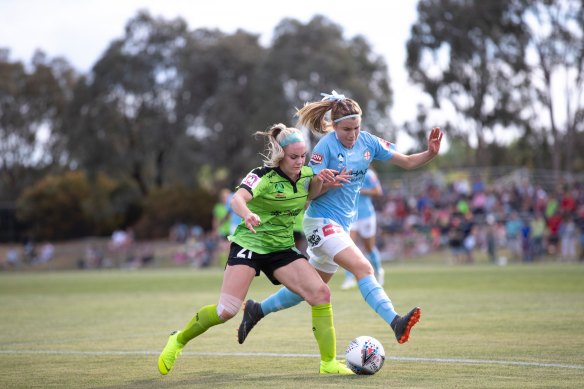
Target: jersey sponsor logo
{"points": [[367, 155], [251, 180], [289, 213], [316, 159], [330, 229]]}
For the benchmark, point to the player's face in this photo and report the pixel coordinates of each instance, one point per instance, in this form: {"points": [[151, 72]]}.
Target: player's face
{"points": [[348, 131], [294, 158]]}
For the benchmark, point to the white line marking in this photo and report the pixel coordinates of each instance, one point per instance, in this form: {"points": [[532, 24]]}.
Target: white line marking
{"points": [[280, 355]]}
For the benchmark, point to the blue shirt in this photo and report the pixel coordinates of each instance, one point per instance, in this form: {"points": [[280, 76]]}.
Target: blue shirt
{"points": [[365, 206], [234, 218], [339, 204]]}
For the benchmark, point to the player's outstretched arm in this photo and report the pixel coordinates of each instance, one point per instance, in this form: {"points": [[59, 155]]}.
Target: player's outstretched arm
{"points": [[414, 161]]}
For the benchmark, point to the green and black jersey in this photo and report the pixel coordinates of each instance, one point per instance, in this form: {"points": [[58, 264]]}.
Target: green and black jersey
{"points": [[277, 200]]}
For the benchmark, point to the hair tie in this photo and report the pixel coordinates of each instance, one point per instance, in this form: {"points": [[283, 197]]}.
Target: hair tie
{"points": [[333, 96]]}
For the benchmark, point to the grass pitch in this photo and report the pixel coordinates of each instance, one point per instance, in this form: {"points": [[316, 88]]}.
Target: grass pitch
{"points": [[519, 326]]}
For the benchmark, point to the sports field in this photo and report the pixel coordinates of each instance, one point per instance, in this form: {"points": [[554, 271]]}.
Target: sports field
{"points": [[518, 326]]}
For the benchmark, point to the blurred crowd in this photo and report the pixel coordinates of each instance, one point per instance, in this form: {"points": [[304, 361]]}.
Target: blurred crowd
{"points": [[517, 222], [513, 222]]}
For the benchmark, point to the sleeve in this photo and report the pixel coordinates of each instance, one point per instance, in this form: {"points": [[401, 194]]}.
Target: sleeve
{"points": [[253, 181], [383, 149], [319, 159]]}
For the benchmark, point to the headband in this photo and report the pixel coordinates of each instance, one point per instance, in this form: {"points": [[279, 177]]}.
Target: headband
{"points": [[355, 115], [293, 137]]}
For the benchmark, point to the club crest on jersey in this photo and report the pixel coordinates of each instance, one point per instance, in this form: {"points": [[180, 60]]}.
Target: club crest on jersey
{"points": [[280, 189], [251, 180], [313, 239], [341, 158], [316, 159], [367, 155]]}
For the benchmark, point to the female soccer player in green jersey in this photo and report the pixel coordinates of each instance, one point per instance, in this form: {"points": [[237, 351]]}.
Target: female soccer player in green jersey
{"points": [[268, 199]]}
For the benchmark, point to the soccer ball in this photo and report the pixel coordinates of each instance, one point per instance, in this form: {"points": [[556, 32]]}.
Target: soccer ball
{"points": [[365, 355]]}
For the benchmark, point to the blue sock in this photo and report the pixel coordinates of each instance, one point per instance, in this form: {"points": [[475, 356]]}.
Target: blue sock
{"points": [[282, 299], [373, 257], [377, 299]]}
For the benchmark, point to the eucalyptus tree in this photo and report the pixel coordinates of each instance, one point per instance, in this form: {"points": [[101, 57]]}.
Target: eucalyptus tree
{"points": [[307, 59], [469, 56], [32, 100], [556, 60], [217, 98], [122, 119]]}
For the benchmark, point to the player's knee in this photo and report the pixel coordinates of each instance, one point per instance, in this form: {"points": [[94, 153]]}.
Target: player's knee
{"points": [[362, 269], [228, 306], [320, 295]]}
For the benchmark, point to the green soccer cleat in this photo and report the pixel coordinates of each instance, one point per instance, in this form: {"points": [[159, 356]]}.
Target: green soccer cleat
{"points": [[168, 355], [334, 367]]}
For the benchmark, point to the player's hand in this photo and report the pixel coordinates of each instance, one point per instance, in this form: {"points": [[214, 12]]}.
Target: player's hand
{"points": [[327, 175], [434, 140], [252, 220], [343, 177]]}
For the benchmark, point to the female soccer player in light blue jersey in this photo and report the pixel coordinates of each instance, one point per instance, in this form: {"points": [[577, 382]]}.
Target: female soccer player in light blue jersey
{"points": [[345, 148], [364, 228]]}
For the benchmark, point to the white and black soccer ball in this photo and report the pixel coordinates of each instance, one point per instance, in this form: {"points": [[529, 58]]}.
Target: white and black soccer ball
{"points": [[365, 355]]}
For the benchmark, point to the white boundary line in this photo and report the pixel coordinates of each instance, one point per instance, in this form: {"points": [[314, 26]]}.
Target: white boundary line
{"points": [[281, 355]]}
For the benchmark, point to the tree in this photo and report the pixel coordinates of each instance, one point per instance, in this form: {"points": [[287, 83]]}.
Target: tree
{"points": [[469, 57], [123, 117], [556, 30], [307, 59], [217, 100], [32, 101]]}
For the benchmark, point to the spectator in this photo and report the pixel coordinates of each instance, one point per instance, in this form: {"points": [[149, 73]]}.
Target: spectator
{"points": [[568, 235], [456, 235], [513, 235], [30, 255], [580, 225], [554, 223], [47, 253], [13, 258], [491, 238], [537, 226]]}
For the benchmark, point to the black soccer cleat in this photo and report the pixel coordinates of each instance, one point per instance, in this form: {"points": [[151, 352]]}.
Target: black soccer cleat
{"points": [[402, 325], [252, 314]]}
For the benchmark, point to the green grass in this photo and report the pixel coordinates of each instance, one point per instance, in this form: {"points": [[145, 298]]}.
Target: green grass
{"points": [[104, 329]]}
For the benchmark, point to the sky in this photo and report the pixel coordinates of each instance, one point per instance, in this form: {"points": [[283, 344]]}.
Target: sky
{"points": [[81, 30]]}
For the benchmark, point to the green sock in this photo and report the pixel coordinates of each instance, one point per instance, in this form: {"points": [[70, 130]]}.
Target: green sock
{"points": [[206, 318], [324, 331]]}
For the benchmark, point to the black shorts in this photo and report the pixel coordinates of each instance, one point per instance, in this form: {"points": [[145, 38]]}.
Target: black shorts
{"points": [[298, 235], [268, 263]]}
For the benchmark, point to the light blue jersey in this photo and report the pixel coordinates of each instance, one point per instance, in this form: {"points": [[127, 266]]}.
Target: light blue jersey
{"points": [[365, 206], [234, 218], [339, 204]]}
